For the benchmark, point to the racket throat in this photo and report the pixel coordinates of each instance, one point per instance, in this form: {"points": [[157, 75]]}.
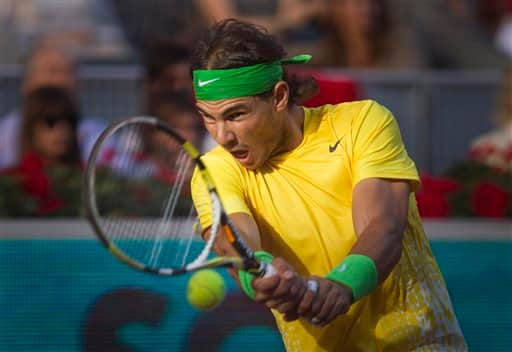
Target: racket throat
{"points": [[254, 267]]}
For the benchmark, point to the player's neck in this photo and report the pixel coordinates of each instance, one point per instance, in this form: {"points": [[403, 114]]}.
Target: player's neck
{"points": [[293, 130]]}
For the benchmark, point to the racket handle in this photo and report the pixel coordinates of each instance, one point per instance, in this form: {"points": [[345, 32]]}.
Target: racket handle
{"points": [[267, 270], [264, 269]]}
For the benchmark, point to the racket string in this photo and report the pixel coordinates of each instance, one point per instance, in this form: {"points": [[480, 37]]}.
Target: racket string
{"points": [[169, 209], [153, 237]]}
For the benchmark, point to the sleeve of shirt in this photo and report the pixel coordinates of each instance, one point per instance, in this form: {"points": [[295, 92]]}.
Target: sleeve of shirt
{"points": [[377, 147], [228, 181]]}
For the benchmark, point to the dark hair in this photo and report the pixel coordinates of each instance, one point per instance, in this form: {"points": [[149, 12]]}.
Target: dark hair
{"points": [[162, 54], [49, 103], [232, 43]]}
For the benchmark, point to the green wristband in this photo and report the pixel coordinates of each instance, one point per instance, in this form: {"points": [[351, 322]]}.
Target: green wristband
{"points": [[358, 272], [246, 277]]}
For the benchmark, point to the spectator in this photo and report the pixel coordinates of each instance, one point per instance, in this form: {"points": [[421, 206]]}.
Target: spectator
{"points": [[49, 127], [149, 20], [479, 186], [496, 18], [364, 35], [85, 27], [47, 66], [180, 113], [168, 96], [143, 153], [494, 148], [297, 23], [168, 81], [450, 35], [167, 70], [48, 143]]}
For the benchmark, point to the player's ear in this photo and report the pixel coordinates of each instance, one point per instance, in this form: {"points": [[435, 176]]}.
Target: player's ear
{"points": [[281, 96]]}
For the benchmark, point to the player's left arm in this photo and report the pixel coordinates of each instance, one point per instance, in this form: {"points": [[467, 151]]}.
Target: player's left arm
{"points": [[384, 177], [379, 211]]}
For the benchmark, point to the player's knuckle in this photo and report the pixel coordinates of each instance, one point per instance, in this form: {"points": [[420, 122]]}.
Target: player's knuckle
{"points": [[315, 309], [304, 307], [285, 307]]}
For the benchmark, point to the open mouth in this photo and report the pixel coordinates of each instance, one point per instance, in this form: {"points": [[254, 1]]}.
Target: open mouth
{"points": [[240, 154]]}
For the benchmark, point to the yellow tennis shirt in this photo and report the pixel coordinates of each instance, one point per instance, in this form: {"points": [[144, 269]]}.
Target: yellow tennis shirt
{"points": [[302, 204]]}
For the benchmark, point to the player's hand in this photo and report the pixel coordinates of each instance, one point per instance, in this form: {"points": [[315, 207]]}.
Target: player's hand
{"points": [[282, 291], [330, 300]]}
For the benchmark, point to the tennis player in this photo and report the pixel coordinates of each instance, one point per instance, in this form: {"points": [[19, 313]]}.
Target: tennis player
{"points": [[329, 192]]}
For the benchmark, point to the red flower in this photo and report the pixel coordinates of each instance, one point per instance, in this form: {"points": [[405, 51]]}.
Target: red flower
{"points": [[140, 156], [431, 184], [31, 162], [482, 151], [490, 200], [107, 155], [35, 183], [165, 175], [32, 175], [432, 197], [433, 205]]}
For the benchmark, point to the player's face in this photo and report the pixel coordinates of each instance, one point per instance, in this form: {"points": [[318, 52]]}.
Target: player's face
{"points": [[250, 128]]}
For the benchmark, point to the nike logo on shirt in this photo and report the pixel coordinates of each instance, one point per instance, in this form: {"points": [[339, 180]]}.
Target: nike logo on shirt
{"points": [[204, 83], [332, 148]]}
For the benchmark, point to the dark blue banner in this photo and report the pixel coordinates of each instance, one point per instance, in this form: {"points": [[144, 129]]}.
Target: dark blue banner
{"points": [[71, 295]]}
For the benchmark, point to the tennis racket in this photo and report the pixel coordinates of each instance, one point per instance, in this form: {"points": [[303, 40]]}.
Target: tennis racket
{"points": [[137, 199]]}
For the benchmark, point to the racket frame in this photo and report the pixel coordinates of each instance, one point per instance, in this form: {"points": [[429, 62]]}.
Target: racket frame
{"points": [[246, 261]]}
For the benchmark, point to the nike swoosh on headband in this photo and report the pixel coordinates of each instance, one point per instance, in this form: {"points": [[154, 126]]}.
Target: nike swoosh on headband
{"points": [[204, 83]]}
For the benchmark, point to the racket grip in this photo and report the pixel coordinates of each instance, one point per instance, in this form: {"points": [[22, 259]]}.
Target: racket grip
{"points": [[267, 270]]}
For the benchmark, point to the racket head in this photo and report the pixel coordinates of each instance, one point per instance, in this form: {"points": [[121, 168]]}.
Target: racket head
{"points": [[137, 198]]}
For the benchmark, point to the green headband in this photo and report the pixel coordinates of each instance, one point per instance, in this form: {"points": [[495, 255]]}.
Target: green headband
{"points": [[242, 81]]}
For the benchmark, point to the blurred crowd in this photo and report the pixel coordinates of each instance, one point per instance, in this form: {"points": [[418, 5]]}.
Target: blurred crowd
{"points": [[341, 33], [51, 38]]}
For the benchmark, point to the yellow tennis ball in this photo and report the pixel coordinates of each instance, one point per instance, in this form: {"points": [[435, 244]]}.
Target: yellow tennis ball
{"points": [[206, 289]]}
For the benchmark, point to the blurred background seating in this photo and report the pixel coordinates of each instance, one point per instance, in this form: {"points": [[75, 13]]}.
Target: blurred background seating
{"points": [[437, 64], [440, 112]]}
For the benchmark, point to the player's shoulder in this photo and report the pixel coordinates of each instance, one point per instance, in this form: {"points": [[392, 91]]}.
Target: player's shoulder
{"points": [[217, 152], [361, 113], [218, 157], [348, 110], [357, 108], [344, 116]]}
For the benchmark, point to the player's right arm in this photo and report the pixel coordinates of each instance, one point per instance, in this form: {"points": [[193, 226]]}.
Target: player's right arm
{"points": [[247, 228], [282, 291]]}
